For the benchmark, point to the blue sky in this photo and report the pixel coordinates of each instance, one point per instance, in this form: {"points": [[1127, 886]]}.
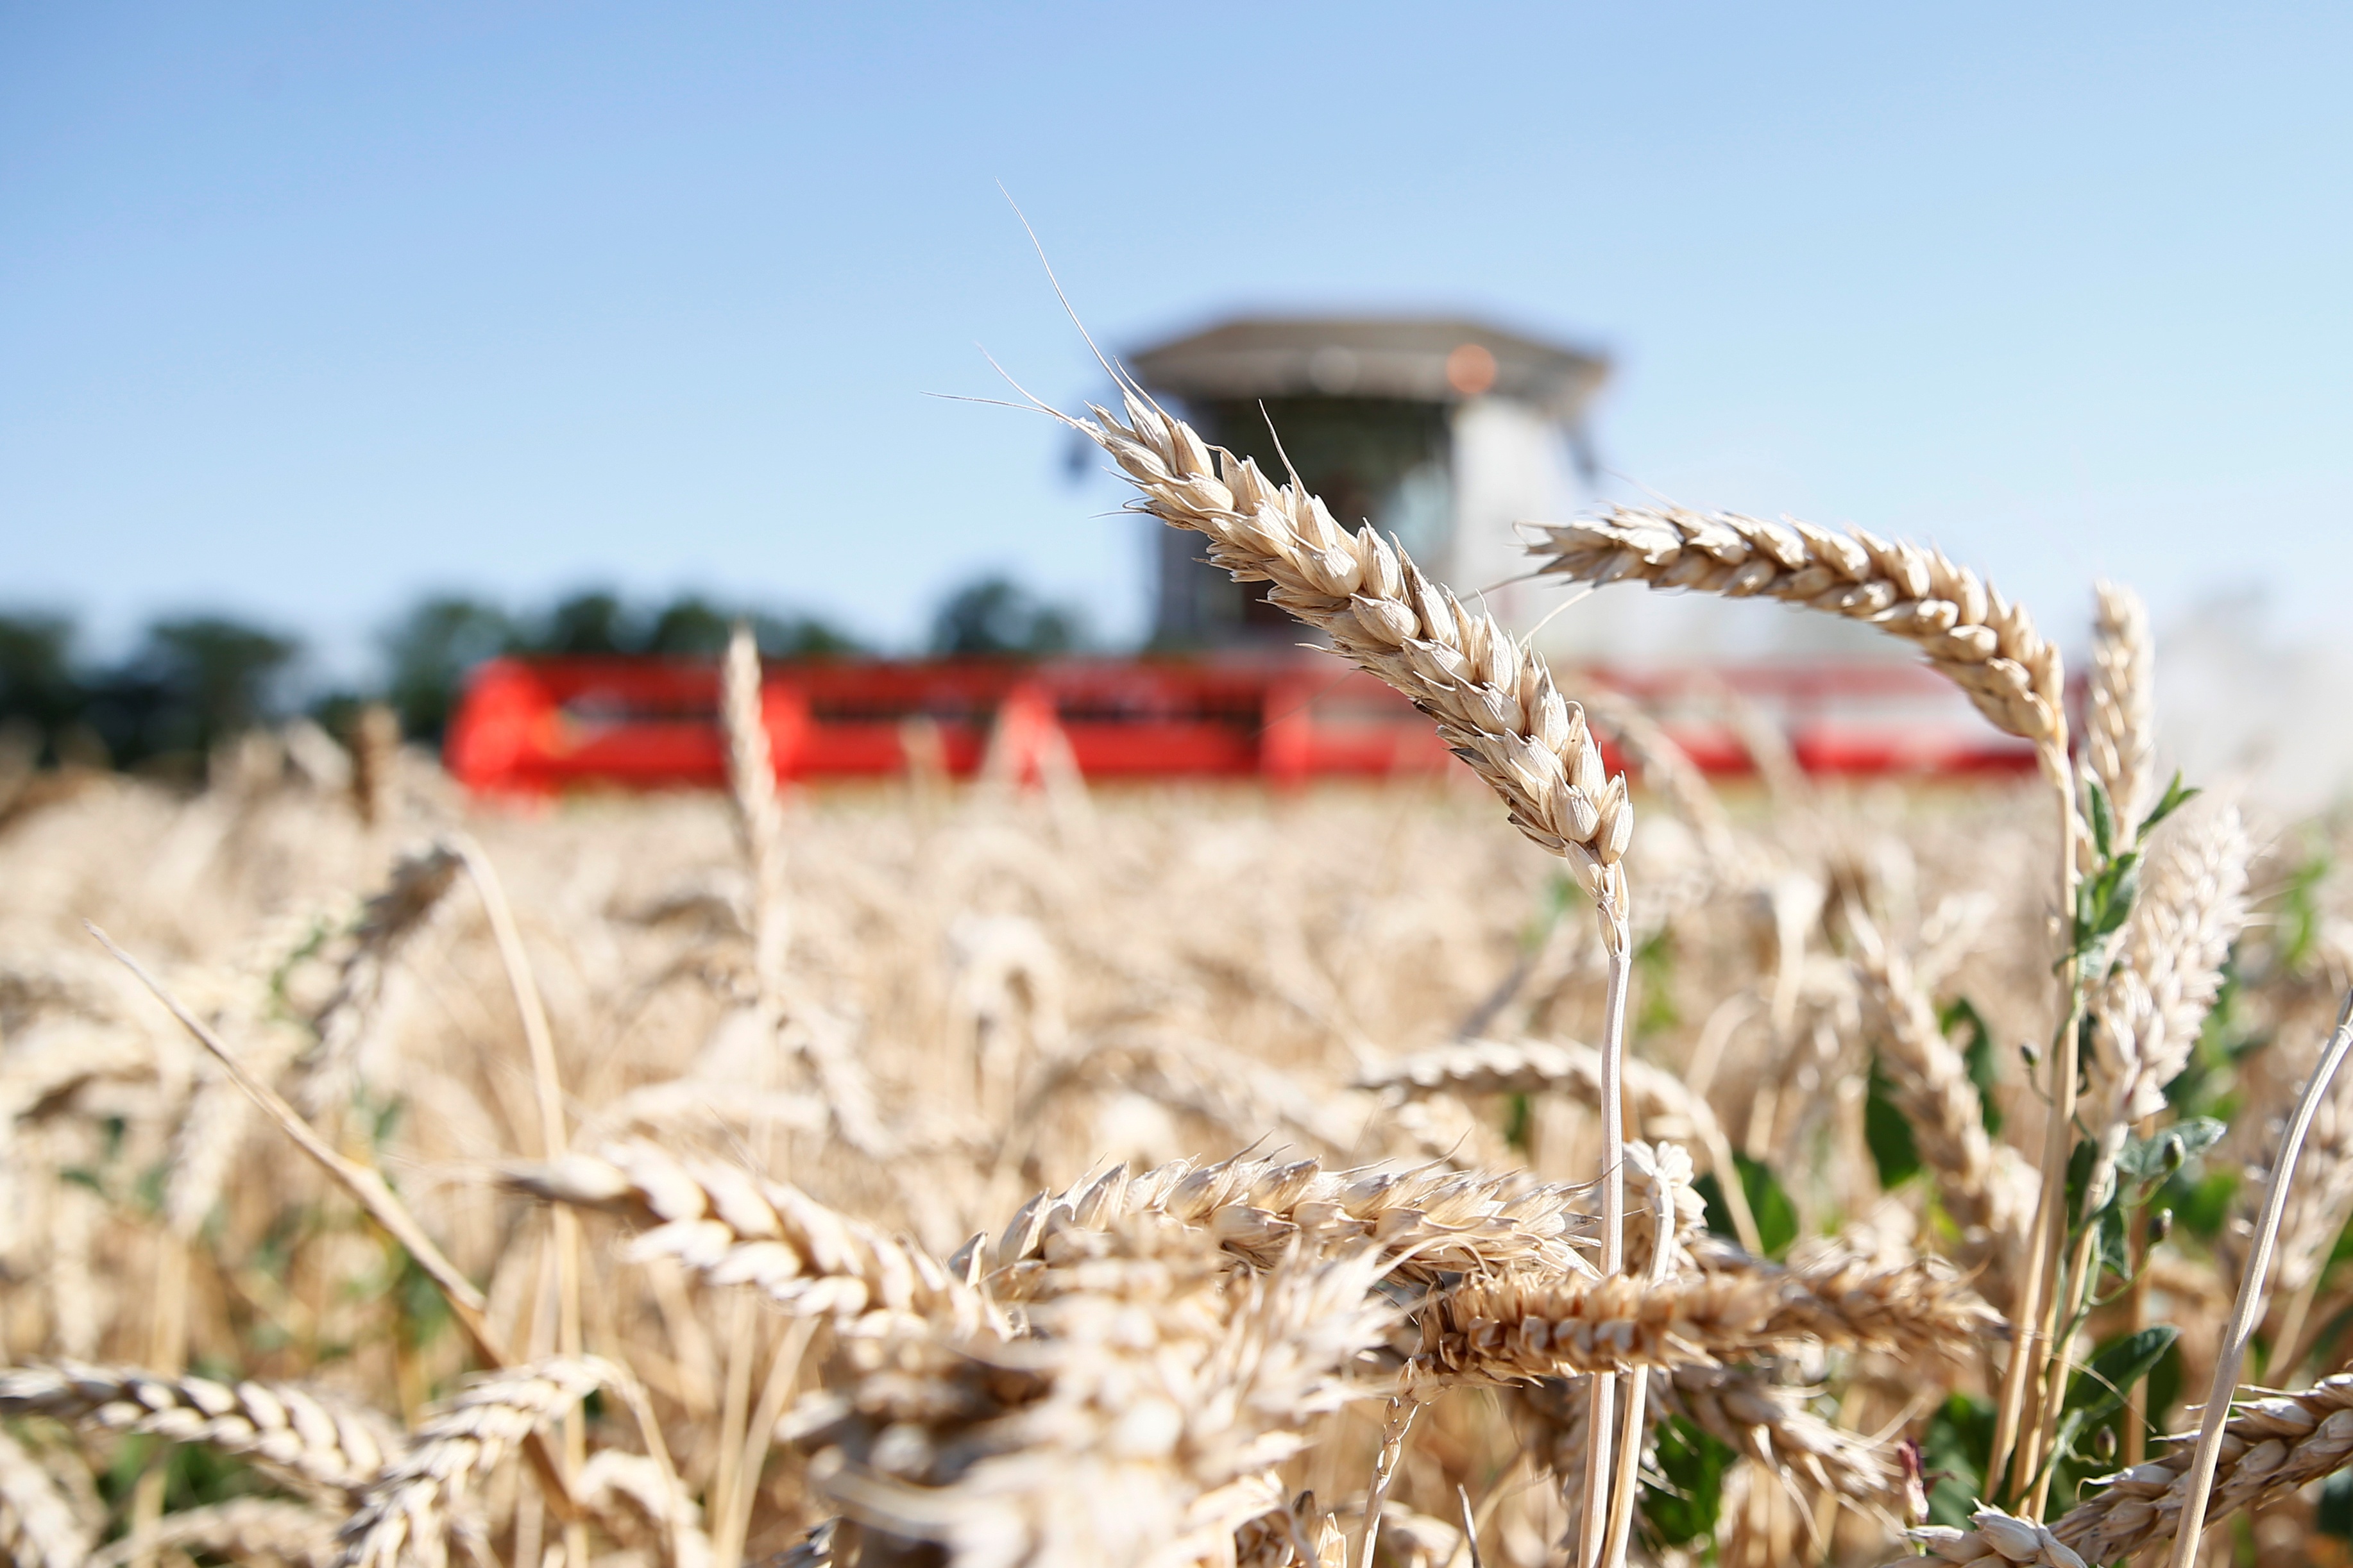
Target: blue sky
{"points": [[305, 309]]}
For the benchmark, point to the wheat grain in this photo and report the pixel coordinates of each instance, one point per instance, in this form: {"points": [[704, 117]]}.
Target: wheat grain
{"points": [[317, 1442], [406, 1509], [1969, 633]]}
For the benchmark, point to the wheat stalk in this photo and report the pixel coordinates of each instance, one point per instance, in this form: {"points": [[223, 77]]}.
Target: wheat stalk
{"points": [[37, 1525], [406, 1510], [318, 1443]]}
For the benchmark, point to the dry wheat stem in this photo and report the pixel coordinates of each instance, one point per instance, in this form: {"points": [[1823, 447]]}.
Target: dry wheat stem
{"points": [[1665, 1173], [2248, 1310], [318, 1442]]}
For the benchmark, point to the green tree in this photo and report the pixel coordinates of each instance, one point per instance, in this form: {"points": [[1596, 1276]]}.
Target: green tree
{"points": [[997, 615]]}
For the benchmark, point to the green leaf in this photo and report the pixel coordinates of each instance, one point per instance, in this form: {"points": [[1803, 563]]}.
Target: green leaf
{"points": [[1694, 1463], [1886, 1131], [1977, 1052], [1777, 1216], [2104, 819], [2163, 1153], [2173, 800], [2115, 1255], [2099, 1389]]}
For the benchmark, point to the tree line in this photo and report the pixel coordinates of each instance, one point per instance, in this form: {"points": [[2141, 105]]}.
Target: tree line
{"points": [[188, 682]]}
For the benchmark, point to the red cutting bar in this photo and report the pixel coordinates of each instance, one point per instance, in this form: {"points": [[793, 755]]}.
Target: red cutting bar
{"points": [[537, 726]]}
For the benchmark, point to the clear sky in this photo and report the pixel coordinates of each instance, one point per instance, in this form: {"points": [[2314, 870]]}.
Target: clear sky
{"points": [[304, 308]]}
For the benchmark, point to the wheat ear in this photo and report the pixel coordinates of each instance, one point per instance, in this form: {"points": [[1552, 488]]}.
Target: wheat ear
{"points": [[2147, 1012], [1982, 643], [1428, 1222], [1985, 1189], [1136, 1423], [243, 1529], [407, 901], [2269, 1448], [1494, 704], [317, 1442], [736, 1229], [37, 1526], [1970, 634], [407, 1511], [2120, 707], [1663, 1104], [1517, 1329]]}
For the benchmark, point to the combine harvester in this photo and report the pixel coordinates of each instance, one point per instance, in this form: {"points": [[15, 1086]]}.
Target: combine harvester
{"points": [[546, 726], [1440, 431]]}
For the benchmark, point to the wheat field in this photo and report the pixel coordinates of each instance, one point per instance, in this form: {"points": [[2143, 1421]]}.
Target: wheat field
{"points": [[1614, 1170]]}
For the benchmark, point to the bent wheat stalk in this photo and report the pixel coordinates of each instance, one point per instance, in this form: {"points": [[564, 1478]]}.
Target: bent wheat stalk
{"points": [[1974, 638], [1494, 704], [2249, 1309]]}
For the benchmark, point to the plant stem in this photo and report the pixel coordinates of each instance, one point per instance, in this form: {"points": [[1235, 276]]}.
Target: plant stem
{"points": [[1617, 940], [2250, 1306], [2048, 1233]]}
